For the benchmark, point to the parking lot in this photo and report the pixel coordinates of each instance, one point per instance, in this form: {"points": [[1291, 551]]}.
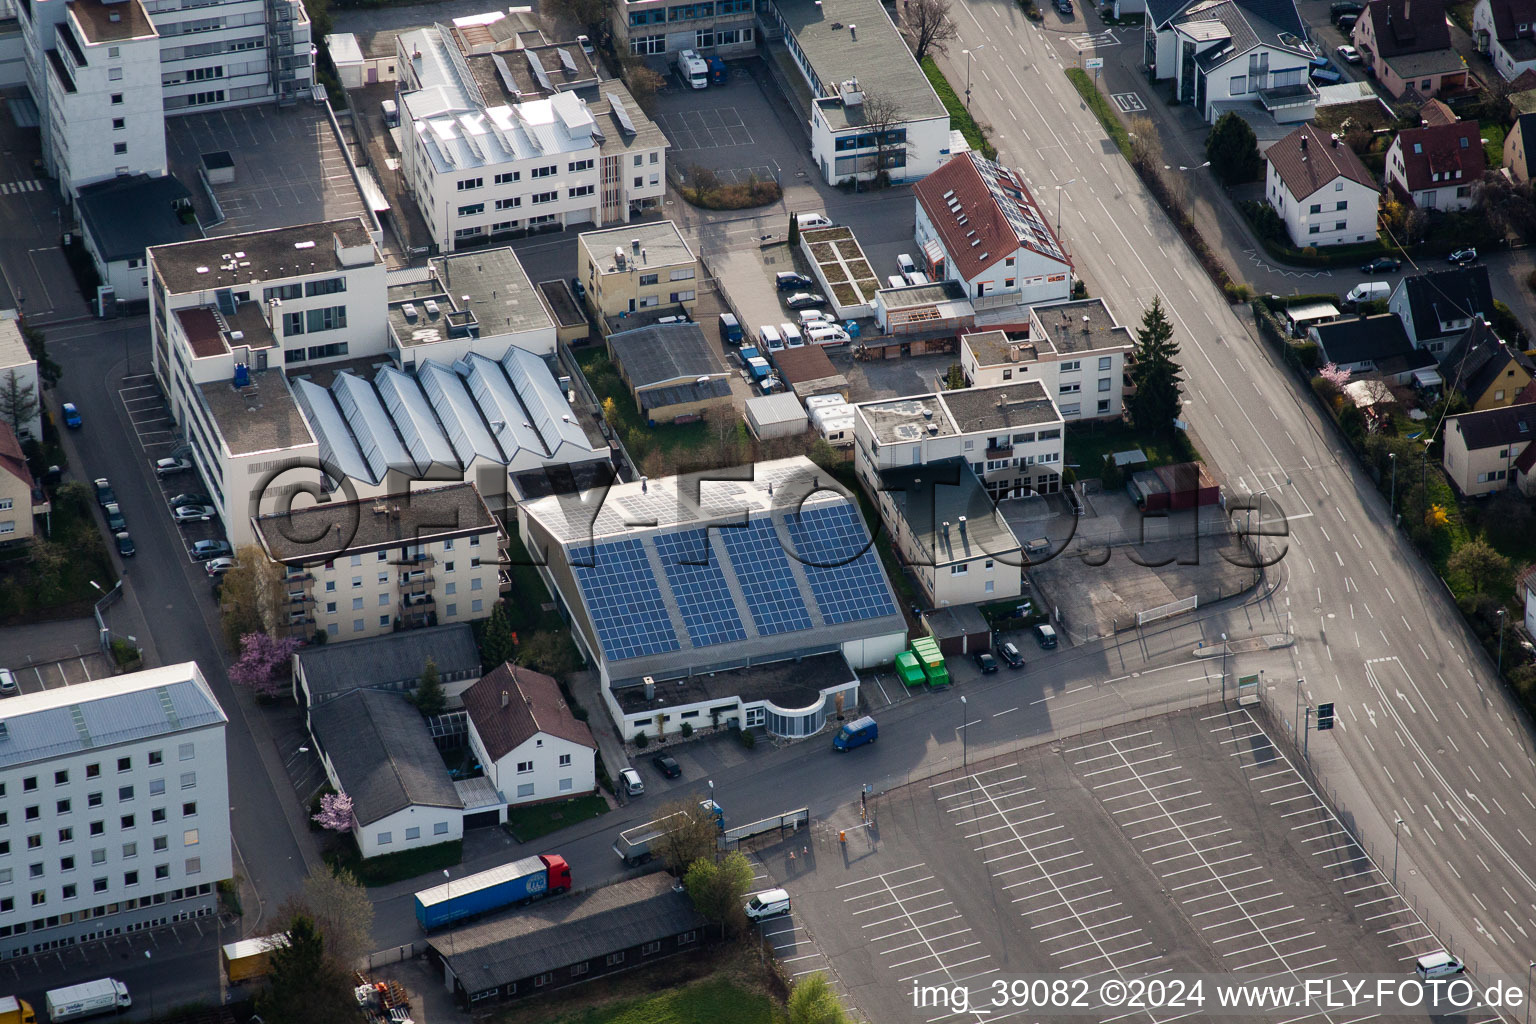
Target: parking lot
{"points": [[710, 127], [1181, 844]]}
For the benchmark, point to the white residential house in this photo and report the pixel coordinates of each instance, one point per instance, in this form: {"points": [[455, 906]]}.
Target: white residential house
{"points": [[977, 224], [119, 792], [1074, 349], [1438, 307], [496, 141], [1506, 31], [1320, 189], [1227, 57], [1525, 590], [1435, 167], [531, 746]]}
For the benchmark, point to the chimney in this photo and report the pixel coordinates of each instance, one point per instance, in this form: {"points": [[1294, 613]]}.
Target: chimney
{"points": [[962, 526], [946, 529], [505, 698], [1303, 143], [645, 485], [650, 688], [1334, 139], [853, 30]]}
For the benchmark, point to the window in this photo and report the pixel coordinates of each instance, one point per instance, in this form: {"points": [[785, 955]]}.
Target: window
{"points": [[91, 771], [66, 835], [61, 778], [524, 790], [124, 793], [524, 767], [639, 181], [98, 885], [687, 938], [959, 570], [1105, 362], [686, 296], [328, 319], [188, 780], [189, 809], [580, 191], [1104, 383], [508, 177], [162, 871], [1315, 229], [509, 204], [1316, 208], [357, 604], [543, 172], [39, 898], [649, 948], [35, 870], [440, 829], [412, 833], [1103, 405], [471, 209], [130, 878], [385, 838], [1338, 186], [357, 581], [328, 286], [119, 148], [465, 184], [162, 843], [1071, 388], [579, 165], [33, 813], [114, 74], [565, 760], [615, 958], [1340, 225], [126, 821], [98, 828], [30, 783], [117, 98], [1342, 204], [646, 45], [194, 865], [543, 197]]}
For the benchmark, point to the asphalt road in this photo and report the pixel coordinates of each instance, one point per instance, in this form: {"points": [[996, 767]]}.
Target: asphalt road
{"points": [[1427, 732]]}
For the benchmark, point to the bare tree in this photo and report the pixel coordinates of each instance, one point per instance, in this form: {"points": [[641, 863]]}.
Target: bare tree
{"points": [[883, 118], [249, 595], [930, 26], [693, 838], [1146, 147], [341, 911]]}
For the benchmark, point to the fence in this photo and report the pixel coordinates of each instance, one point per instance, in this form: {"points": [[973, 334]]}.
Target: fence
{"points": [[393, 955], [1164, 611], [103, 633], [789, 820]]}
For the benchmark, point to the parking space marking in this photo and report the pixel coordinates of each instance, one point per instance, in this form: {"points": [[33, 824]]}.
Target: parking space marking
{"points": [[706, 129], [938, 940]]}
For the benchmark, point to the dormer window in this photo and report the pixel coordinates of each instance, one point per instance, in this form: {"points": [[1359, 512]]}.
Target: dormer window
{"points": [[1418, 147], [1464, 142], [1524, 26]]}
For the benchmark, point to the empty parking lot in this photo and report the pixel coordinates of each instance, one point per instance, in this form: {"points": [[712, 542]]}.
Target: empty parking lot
{"points": [[1185, 844]]}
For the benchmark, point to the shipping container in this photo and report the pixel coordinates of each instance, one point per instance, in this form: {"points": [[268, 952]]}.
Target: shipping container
{"points": [[249, 959], [929, 656]]}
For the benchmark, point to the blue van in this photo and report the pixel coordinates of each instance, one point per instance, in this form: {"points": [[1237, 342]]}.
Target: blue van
{"points": [[855, 734]]}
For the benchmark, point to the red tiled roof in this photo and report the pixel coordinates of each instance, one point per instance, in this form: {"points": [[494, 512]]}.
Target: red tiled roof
{"points": [[1307, 161], [1436, 112], [1408, 26], [533, 705], [202, 330], [967, 213], [11, 458], [1442, 155]]}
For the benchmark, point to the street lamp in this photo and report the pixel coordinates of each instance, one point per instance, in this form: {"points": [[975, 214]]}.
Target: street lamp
{"points": [[1223, 667], [1528, 969], [1502, 614], [150, 956], [968, 73], [1393, 457], [1397, 826], [1059, 189], [965, 728]]}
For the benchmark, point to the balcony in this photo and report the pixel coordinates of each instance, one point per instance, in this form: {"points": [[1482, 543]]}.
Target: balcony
{"points": [[1001, 452], [423, 561], [416, 581]]}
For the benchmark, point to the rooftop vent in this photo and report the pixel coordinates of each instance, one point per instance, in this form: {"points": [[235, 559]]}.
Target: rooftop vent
{"points": [[409, 309], [114, 16], [431, 307], [853, 30], [202, 270], [303, 245], [634, 243]]}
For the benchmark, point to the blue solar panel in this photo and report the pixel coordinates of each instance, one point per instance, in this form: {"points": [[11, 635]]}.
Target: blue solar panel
{"points": [[624, 599], [709, 611], [762, 568], [840, 564]]}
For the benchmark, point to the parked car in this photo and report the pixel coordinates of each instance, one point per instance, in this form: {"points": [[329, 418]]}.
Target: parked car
{"points": [[193, 513], [1346, 22], [667, 765], [190, 498], [1382, 265], [768, 904], [1340, 8], [219, 566], [630, 780], [1349, 54], [1046, 636], [805, 300], [812, 317], [788, 280], [204, 550], [585, 44], [986, 663], [1064, 8], [104, 495], [165, 467], [1322, 71], [71, 416], [578, 289], [125, 545], [115, 520], [8, 685], [1009, 652], [1463, 257], [813, 220]]}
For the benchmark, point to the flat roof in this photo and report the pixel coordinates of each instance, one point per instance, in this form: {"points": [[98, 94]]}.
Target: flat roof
{"points": [[1081, 326], [990, 348], [562, 304], [907, 419], [1017, 404], [933, 498], [393, 520], [661, 245], [787, 684], [492, 284], [267, 255], [876, 55], [111, 23], [259, 417], [13, 347]]}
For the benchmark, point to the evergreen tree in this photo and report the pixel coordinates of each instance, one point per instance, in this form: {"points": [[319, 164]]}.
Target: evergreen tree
{"points": [[305, 988], [18, 402], [1157, 374], [1233, 150], [496, 645], [430, 699], [794, 230]]}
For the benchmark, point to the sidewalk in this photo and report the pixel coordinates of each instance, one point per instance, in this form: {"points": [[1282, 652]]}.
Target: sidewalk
{"points": [[586, 688]]}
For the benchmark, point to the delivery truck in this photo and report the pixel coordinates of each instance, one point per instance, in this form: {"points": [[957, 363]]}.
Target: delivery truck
{"points": [[928, 655], [692, 69], [88, 999], [250, 959], [16, 1011], [519, 881], [635, 845], [717, 71]]}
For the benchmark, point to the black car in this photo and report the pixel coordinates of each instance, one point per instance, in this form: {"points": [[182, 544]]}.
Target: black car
{"points": [[1045, 635], [1011, 655], [578, 289], [1340, 8], [986, 663], [1346, 22], [125, 545], [788, 281], [1382, 265], [190, 499], [668, 766], [1064, 8], [1463, 257]]}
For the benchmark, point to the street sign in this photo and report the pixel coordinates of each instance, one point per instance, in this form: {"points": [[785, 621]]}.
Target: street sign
{"points": [[1180, 425], [1324, 716], [1093, 63]]}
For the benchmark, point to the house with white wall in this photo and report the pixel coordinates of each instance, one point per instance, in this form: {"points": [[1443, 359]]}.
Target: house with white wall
{"points": [[18, 374], [1226, 57], [1505, 30], [532, 747], [1320, 189], [1438, 307], [1074, 349], [375, 748], [1436, 167], [1483, 450], [978, 224]]}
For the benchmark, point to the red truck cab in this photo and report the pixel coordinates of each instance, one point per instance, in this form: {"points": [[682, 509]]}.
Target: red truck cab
{"points": [[559, 872]]}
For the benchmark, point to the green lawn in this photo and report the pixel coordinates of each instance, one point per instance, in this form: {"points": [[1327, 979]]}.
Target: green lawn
{"points": [[707, 1002], [959, 116], [396, 867], [1493, 142], [529, 594], [1087, 444], [527, 823], [1108, 117]]}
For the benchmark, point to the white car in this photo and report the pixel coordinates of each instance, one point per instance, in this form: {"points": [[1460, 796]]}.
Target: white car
{"points": [[193, 514], [630, 780], [1349, 54], [219, 566], [806, 221], [767, 904], [812, 317], [165, 467]]}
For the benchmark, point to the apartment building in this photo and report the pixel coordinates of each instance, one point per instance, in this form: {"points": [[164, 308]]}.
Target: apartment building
{"points": [[362, 568], [500, 138], [106, 73], [18, 491], [1074, 349], [16, 363], [651, 27], [641, 266], [1010, 436], [120, 797]]}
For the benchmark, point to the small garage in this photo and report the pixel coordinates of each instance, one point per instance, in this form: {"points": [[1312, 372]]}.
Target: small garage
{"points": [[959, 631]]}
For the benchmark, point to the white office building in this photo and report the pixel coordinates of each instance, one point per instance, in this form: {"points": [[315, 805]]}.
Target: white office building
{"points": [[105, 73], [114, 802], [498, 138]]}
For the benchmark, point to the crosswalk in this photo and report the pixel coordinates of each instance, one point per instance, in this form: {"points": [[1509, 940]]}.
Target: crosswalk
{"points": [[11, 188]]}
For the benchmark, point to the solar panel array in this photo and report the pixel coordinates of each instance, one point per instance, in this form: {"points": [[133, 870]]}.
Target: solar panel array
{"points": [[624, 599], [840, 564], [1017, 206], [709, 611], [538, 70], [773, 596], [621, 112]]}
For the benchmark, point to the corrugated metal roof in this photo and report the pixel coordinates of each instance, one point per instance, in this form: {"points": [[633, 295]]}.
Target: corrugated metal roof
{"points": [[337, 445], [457, 412], [540, 392], [371, 425], [106, 712], [494, 393], [413, 416]]}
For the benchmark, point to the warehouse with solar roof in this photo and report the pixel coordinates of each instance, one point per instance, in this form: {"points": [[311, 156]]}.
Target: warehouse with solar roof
{"points": [[705, 600]]}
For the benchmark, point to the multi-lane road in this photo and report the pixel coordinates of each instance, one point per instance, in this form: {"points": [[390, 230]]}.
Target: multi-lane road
{"points": [[1427, 732]]}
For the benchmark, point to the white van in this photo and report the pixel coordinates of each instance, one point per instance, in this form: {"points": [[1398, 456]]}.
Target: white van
{"points": [[1369, 291], [792, 336], [896, 281], [827, 334], [905, 263], [813, 220], [918, 277], [767, 904], [769, 335], [1437, 965]]}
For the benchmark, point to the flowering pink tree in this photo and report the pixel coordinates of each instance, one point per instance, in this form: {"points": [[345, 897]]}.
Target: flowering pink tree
{"points": [[261, 659], [1335, 376], [335, 812]]}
